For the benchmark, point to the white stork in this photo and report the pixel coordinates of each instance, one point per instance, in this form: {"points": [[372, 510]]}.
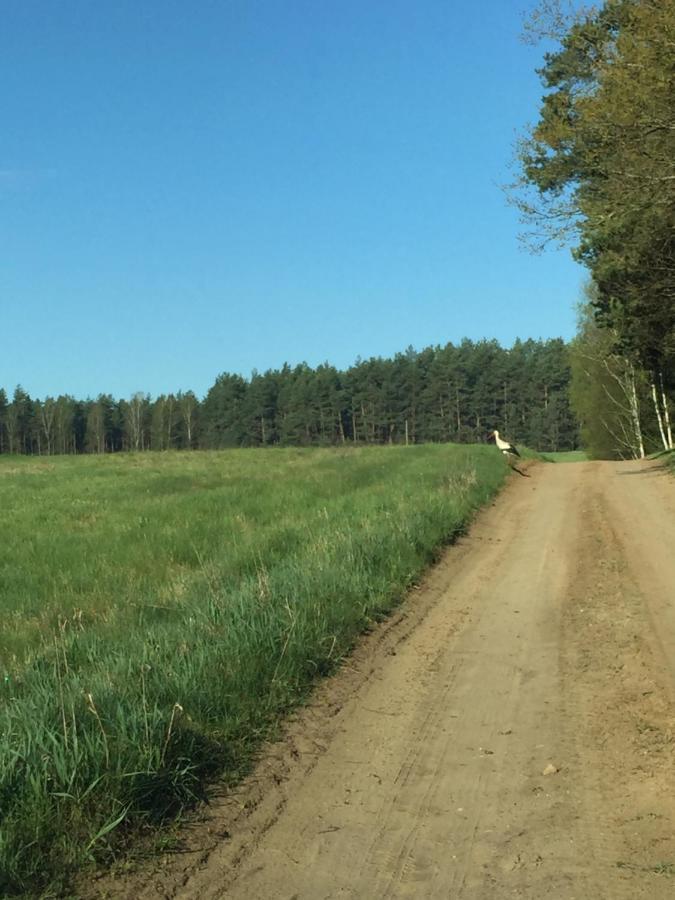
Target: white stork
{"points": [[507, 448], [510, 452]]}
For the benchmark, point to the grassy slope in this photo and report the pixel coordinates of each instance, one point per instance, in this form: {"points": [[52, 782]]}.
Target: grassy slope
{"points": [[669, 459], [165, 610]]}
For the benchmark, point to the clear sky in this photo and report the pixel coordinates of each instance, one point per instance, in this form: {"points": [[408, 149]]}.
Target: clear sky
{"points": [[188, 188]]}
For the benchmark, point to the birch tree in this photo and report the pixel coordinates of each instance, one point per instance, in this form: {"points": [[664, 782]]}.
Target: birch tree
{"points": [[187, 404], [606, 393], [135, 420]]}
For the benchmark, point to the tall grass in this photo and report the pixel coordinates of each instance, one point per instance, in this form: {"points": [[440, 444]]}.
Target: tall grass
{"points": [[163, 611]]}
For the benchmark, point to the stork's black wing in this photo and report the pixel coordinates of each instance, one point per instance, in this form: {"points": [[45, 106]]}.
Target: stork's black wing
{"points": [[512, 449]]}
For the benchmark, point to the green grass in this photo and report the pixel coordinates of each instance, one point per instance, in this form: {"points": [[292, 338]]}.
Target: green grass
{"points": [[566, 456], [666, 456], [162, 612]]}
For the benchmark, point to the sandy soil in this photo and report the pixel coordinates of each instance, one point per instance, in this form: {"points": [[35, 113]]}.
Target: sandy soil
{"points": [[509, 733]]}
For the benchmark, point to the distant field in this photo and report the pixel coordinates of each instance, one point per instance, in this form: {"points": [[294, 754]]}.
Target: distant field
{"points": [[566, 456], [160, 612]]}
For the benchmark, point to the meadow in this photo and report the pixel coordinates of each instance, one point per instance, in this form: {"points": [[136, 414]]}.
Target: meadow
{"points": [[161, 612]]}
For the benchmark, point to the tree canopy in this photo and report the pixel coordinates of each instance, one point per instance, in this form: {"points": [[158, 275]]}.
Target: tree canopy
{"points": [[455, 392], [601, 165]]}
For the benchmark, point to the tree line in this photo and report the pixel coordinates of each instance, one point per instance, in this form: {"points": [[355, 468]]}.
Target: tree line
{"points": [[598, 168], [446, 393]]}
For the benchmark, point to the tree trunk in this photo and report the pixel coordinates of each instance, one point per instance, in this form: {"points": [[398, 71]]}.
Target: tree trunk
{"points": [[169, 425], [635, 413], [666, 413], [659, 417], [506, 411]]}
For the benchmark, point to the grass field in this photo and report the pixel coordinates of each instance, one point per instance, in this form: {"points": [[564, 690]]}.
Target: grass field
{"points": [[566, 456], [162, 612]]}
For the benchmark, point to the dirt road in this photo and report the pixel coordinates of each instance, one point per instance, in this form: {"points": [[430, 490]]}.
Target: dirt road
{"points": [[508, 734]]}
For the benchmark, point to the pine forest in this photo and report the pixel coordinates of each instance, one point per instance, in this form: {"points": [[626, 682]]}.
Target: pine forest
{"points": [[451, 393]]}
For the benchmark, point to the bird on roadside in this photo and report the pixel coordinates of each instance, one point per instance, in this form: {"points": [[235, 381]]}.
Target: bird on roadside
{"points": [[507, 448]]}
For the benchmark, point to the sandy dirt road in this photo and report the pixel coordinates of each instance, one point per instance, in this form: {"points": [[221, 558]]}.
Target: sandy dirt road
{"points": [[510, 733]]}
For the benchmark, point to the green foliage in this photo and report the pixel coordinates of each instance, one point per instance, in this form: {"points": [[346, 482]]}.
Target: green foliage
{"points": [[601, 163], [452, 393], [162, 612], [610, 392], [595, 395]]}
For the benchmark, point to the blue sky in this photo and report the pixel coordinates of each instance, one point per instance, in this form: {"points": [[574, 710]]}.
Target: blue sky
{"points": [[188, 188]]}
